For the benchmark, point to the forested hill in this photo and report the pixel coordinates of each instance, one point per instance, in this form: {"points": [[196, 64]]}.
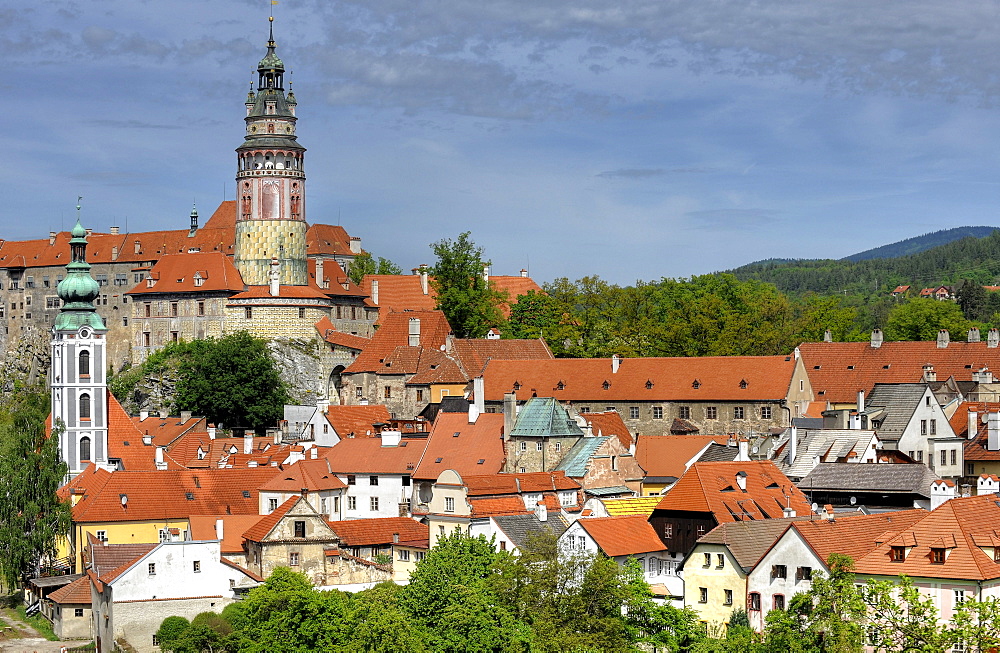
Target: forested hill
{"points": [[977, 259], [921, 243]]}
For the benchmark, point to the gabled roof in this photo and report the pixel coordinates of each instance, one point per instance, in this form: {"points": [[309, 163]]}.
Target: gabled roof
{"points": [[327, 240], [77, 592], [368, 456], [403, 292], [708, 378], [233, 527], [519, 528], [576, 461], [311, 475], [166, 430], [357, 420], [455, 444], [826, 445], [328, 332], [837, 370], [385, 530], [266, 524], [909, 478], [900, 400], [715, 488], [434, 366], [394, 332], [107, 561], [855, 535], [493, 506], [609, 423], [748, 541], [495, 484], [666, 456], [168, 494], [473, 353], [545, 417], [976, 448], [623, 535], [631, 506], [182, 273], [125, 441]]}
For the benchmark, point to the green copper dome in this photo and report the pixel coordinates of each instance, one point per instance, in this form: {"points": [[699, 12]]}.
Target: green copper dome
{"points": [[270, 60], [78, 290]]}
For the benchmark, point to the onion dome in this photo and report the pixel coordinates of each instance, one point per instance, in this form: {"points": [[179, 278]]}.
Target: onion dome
{"points": [[78, 290]]}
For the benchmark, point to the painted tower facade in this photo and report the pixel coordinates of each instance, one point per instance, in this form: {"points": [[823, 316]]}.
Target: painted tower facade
{"points": [[271, 183], [78, 371]]}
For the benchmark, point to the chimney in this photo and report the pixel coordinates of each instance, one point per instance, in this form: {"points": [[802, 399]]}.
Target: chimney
{"points": [[788, 511], [423, 279], [391, 438], [942, 339], [248, 442], [89, 231], [320, 281], [275, 277], [861, 401], [973, 425], [524, 273], [113, 231], [211, 431], [374, 293], [942, 491], [323, 405], [974, 334], [355, 245], [509, 412], [52, 238], [993, 338], [828, 336], [615, 362], [185, 415], [827, 513], [414, 339], [138, 247], [993, 431], [793, 444], [313, 453], [479, 390], [929, 374], [473, 413], [541, 511], [219, 529], [876, 340], [486, 272], [744, 450], [741, 480], [143, 414], [158, 458]]}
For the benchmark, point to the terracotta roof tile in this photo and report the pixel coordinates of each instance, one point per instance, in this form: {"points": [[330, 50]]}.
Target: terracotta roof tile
{"points": [[475, 442], [386, 530], [853, 535], [328, 332], [976, 448], [264, 292], [357, 420], [609, 423], [473, 353], [401, 292], [491, 506], [394, 332], [720, 378], [224, 216], [266, 524], [623, 535], [665, 456], [434, 366], [181, 273], [311, 474], [336, 283], [109, 560], [368, 456], [491, 484], [328, 240], [233, 527], [77, 592]]}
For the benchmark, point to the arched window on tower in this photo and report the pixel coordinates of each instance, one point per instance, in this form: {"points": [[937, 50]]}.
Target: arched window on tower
{"points": [[84, 363], [84, 406], [84, 448]]}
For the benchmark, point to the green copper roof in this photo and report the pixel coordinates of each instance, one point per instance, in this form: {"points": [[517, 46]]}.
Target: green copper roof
{"points": [[574, 463], [78, 290], [544, 416]]}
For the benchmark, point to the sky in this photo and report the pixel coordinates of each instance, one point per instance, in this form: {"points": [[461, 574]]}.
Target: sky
{"points": [[634, 139]]}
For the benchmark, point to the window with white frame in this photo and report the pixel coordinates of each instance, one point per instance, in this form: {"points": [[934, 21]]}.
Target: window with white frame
{"points": [[633, 412], [449, 504], [272, 505], [373, 502], [404, 555], [352, 503]]}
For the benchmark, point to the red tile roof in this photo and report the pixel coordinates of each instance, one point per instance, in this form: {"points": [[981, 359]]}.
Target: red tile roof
{"points": [[266, 524], [975, 448], [609, 423], [623, 535], [368, 456], [312, 475], [328, 240], [386, 530], [328, 332], [224, 216], [853, 535], [666, 455], [400, 292], [493, 484], [462, 453], [717, 378], [394, 332], [77, 592], [837, 370], [167, 430], [164, 494], [359, 420], [433, 366], [713, 487], [125, 441], [233, 527], [494, 506], [473, 353], [178, 273], [108, 561]]}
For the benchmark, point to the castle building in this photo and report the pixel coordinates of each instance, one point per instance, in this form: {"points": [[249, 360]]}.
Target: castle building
{"points": [[79, 386]]}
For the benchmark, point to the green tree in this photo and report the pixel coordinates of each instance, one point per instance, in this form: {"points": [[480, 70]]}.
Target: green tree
{"points": [[231, 380], [973, 300], [977, 625], [901, 618], [838, 609], [32, 518], [171, 630], [377, 624], [364, 264], [471, 304], [921, 319]]}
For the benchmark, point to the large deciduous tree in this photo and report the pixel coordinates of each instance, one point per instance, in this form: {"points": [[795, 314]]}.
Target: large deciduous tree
{"points": [[922, 319], [32, 518], [470, 302], [365, 263]]}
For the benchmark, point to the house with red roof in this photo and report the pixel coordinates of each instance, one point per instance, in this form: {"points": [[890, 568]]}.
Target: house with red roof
{"points": [[666, 458], [978, 424], [313, 478], [402, 540], [709, 494], [69, 610], [716, 394]]}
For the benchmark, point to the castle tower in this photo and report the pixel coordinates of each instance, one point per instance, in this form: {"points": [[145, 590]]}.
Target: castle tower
{"points": [[270, 182], [78, 371]]}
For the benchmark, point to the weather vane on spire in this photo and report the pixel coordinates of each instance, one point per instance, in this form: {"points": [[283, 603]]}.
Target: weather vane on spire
{"points": [[78, 199]]}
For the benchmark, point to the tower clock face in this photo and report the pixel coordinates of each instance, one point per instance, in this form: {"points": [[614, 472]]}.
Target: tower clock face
{"points": [[85, 332]]}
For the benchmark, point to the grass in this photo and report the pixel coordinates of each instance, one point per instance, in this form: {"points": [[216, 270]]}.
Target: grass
{"points": [[36, 621]]}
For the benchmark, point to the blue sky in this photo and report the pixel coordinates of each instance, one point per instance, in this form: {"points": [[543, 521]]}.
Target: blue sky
{"points": [[628, 139]]}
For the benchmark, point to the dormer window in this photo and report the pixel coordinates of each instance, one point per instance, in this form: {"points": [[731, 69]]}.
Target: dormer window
{"points": [[649, 385], [743, 384], [897, 553], [606, 385], [696, 384], [560, 386], [938, 555], [517, 386]]}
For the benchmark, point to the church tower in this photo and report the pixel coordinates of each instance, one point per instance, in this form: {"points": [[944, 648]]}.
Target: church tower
{"points": [[79, 368], [270, 182]]}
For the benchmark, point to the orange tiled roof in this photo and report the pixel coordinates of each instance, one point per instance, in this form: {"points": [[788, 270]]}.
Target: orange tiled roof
{"points": [[357, 420], [266, 524], [165, 494], [713, 487], [853, 535], [434, 366], [328, 332], [180, 273], [494, 506], [666, 455], [837, 370], [493, 484], [609, 423], [233, 527], [368, 456], [125, 441], [975, 448], [77, 592], [328, 240], [473, 353], [108, 561], [311, 474], [264, 292], [385, 530], [708, 378], [623, 535], [475, 442], [166, 430], [336, 282], [394, 332], [224, 216], [401, 292]]}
